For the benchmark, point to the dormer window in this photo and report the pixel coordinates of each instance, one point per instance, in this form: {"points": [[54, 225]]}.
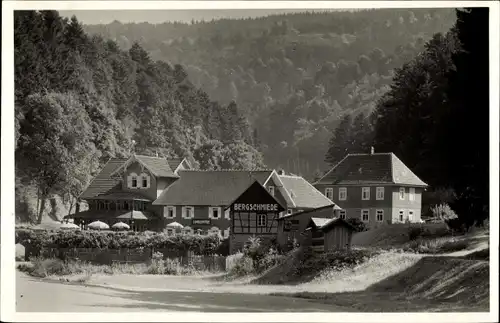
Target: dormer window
{"points": [[144, 180], [133, 180]]}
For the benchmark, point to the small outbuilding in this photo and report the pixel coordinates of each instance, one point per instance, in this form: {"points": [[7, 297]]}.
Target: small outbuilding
{"points": [[328, 234], [291, 226]]}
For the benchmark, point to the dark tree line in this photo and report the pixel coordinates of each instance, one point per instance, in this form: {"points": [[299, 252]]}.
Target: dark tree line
{"points": [[435, 116]]}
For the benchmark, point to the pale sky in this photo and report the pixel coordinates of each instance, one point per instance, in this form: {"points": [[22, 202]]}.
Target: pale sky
{"points": [[91, 17]]}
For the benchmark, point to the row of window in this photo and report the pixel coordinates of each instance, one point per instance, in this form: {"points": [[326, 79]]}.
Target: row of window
{"points": [[170, 212], [189, 230], [118, 205], [138, 181], [365, 215], [365, 193]]}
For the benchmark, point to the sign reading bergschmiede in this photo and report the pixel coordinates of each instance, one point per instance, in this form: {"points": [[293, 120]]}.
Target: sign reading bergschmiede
{"points": [[201, 222], [255, 207]]}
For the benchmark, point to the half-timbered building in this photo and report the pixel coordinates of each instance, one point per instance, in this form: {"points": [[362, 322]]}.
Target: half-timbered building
{"points": [[254, 213]]}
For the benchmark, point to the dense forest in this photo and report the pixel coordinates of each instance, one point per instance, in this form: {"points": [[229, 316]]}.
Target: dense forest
{"points": [[296, 77], [80, 99], [436, 114]]}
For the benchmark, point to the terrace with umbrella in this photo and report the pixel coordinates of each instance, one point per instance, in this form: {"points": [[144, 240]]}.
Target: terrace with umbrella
{"points": [[174, 228]]}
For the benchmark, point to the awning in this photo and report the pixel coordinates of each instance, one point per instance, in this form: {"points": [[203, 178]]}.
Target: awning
{"points": [[123, 196], [135, 215], [121, 215]]}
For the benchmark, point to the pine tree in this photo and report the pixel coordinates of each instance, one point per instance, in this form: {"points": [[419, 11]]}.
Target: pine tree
{"points": [[468, 126], [339, 142]]}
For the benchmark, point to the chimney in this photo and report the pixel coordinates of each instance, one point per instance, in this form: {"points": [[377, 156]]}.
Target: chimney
{"points": [[372, 151], [281, 172]]}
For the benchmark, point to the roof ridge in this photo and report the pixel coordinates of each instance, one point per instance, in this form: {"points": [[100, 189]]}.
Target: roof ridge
{"points": [[331, 169], [369, 154], [291, 176], [226, 170], [157, 157]]}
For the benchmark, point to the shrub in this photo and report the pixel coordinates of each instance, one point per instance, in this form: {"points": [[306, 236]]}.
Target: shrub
{"points": [[173, 267], [443, 211], [436, 246], [263, 252], [415, 232], [157, 266], [358, 225], [242, 266], [42, 267], [271, 258], [311, 263], [203, 245]]}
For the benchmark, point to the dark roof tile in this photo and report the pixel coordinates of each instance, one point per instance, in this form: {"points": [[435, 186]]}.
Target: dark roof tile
{"points": [[210, 187], [103, 183], [159, 166], [380, 168], [303, 194]]}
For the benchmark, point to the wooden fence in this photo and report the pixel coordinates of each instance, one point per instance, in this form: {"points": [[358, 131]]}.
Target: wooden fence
{"points": [[136, 256]]}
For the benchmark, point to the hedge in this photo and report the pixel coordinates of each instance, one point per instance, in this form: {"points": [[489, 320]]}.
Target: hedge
{"points": [[202, 245]]}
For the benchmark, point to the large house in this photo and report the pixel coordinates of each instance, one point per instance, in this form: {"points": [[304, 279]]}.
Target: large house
{"points": [[377, 188], [200, 200], [149, 193]]}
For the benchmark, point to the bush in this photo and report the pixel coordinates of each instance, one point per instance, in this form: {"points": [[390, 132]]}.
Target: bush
{"points": [[358, 225], [436, 246], [443, 211], [415, 232], [311, 263], [157, 266], [264, 253], [242, 266], [47, 267], [202, 245]]}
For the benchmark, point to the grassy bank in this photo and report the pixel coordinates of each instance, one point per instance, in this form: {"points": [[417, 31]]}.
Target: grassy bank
{"points": [[82, 271], [429, 284]]}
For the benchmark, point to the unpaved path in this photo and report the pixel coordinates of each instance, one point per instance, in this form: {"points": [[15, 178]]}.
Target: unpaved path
{"points": [[35, 295]]}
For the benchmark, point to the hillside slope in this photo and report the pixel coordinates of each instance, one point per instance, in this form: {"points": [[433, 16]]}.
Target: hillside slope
{"points": [[294, 76]]}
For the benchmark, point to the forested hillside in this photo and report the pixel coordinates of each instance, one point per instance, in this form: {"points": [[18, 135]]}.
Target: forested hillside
{"points": [[80, 99], [296, 77]]}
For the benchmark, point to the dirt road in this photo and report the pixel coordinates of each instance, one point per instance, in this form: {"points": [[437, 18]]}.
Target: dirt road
{"points": [[35, 295]]}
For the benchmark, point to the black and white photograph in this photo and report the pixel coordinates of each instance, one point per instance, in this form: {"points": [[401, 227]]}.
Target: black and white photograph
{"points": [[324, 161]]}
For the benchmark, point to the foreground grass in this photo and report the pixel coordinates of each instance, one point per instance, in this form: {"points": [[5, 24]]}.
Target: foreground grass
{"points": [[430, 284], [437, 245], [79, 271]]}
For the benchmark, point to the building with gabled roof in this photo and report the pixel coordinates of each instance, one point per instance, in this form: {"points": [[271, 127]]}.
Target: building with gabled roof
{"points": [[206, 195], [124, 191], [149, 193], [377, 188]]}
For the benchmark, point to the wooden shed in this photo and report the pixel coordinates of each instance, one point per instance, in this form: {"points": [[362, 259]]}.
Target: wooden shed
{"points": [[291, 226], [328, 234]]}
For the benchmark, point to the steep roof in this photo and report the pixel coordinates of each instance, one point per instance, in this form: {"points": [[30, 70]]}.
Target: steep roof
{"points": [[174, 163], [319, 222], [321, 212], [325, 224], [221, 187], [303, 194], [377, 168], [103, 182], [157, 165]]}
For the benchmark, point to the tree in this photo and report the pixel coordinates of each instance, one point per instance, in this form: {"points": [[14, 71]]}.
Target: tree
{"points": [[55, 136], [338, 145], [468, 93]]}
